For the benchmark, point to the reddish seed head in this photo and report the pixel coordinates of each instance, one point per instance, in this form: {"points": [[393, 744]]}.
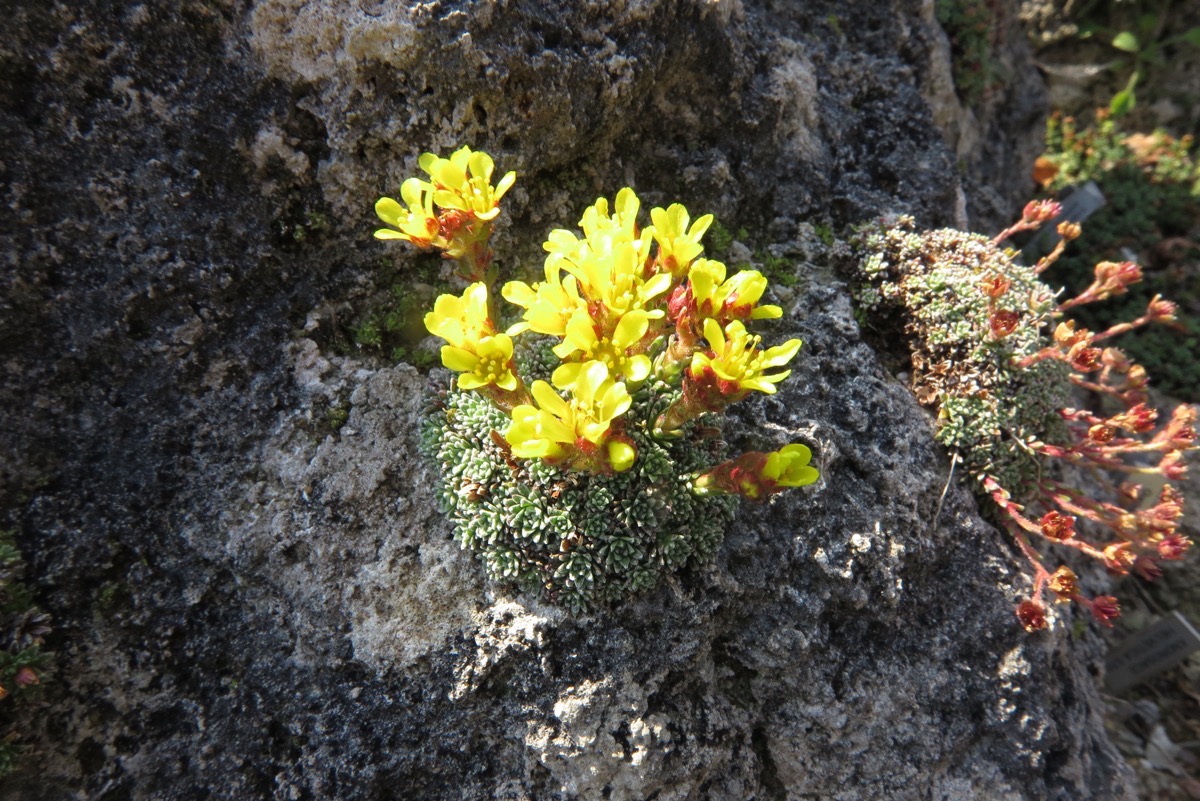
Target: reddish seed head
{"points": [[995, 285], [1069, 230], [1173, 547], [1065, 335], [1172, 466], [1057, 526], [1084, 359], [1003, 323], [1161, 311], [1064, 584], [1118, 558], [1147, 568], [1115, 360], [1105, 609], [1032, 615], [1040, 211]]}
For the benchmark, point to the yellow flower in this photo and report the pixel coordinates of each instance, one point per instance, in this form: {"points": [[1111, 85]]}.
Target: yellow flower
{"points": [[584, 344], [488, 362], [417, 224], [788, 466], [677, 244], [734, 299], [617, 279], [597, 225], [736, 359], [548, 304], [574, 430], [461, 321], [463, 182]]}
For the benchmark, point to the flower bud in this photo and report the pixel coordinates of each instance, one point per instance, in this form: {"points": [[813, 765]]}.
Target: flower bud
{"points": [[1032, 615], [1147, 569], [1115, 360], [1106, 609], [1064, 584], [1003, 322], [1161, 311], [1119, 557], [1069, 230], [1173, 547], [1057, 526], [995, 285]]}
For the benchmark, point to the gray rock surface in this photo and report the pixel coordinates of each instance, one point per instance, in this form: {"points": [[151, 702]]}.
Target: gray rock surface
{"points": [[251, 605]]}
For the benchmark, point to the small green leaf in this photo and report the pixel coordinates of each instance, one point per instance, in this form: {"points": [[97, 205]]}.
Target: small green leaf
{"points": [[1122, 103], [1192, 37], [1125, 40]]}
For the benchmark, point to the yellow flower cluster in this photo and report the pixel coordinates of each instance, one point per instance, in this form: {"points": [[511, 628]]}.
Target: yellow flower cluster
{"points": [[627, 304], [461, 188]]}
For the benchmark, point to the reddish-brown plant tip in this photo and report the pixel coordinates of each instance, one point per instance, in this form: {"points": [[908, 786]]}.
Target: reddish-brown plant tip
{"points": [[1069, 230], [1057, 526], [1101, 433], [1119, 557], [1172, 466], [1147, 568], [1003, 323], [1032, 615], [1161, 311], [1083, 358], [995, 285], [1106, 609], [1064, 584], [1116, 360], [1041, 211], [1173, 547]]}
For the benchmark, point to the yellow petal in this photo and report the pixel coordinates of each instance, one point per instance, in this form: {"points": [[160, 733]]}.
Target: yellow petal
{"points": [[766, 313], [549, 400], [505, 184], [637, 369], [459, 360], [388, 233], [781, 354], [389, 211], [565, 375], [629, 330]]}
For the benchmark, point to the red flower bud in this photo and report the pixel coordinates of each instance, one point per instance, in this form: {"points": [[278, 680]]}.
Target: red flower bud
{"points": [[25, 677], [1069, 230], [1173, 466], [1115, 360], [1147, 568], [1118, 558], [1106, 609], [1161, 311], [1032, 615], [1040, 211], [1057, 526], [1064, 584], [1173, 547], [1084, 359], [995, 285], [1003, 322], [1101, 433]]}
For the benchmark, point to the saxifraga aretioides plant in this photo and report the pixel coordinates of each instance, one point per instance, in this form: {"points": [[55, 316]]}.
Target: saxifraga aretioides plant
{"points": [[580, 447], [992, 357]]}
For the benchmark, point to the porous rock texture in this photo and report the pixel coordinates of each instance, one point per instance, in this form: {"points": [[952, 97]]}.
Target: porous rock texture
{"points": [[251, 603]]}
